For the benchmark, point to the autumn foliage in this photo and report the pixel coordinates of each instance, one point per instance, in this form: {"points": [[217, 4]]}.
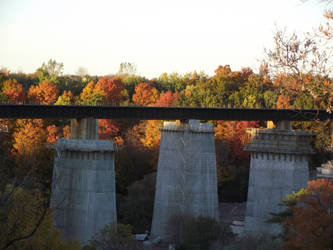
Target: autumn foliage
{"points": [[107, 129], [282, 102], [166, 99], [44, 93], [14, 91], [234, 133], [311, 223], [112, 89], [145, 94], [29, 137]]}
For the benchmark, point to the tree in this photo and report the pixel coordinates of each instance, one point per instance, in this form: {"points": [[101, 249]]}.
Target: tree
{"points": [[136, 208], [29, 138], [66, 131], [112, 88], [107, 129], [50, 71], [44, 93], [66, 98], [91, 95], [232, 161], [52, 134], [14, 91], [308, 219], [145, 94], [167, 99], [296, 59], [26, 221], [282, 102]]}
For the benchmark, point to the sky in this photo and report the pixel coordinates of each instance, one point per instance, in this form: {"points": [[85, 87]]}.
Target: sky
{"points": [[156, 35]]}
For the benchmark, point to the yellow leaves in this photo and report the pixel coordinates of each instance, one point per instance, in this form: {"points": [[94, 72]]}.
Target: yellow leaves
{"points": [[65, 99], [91, 95], [29, 137], [152, 133]]}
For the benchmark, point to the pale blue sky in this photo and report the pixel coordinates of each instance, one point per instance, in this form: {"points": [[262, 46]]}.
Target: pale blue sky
{"points": [[158, 36]]}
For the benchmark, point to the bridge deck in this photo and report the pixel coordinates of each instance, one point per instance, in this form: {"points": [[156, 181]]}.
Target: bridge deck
{"points": [[158, 113]]}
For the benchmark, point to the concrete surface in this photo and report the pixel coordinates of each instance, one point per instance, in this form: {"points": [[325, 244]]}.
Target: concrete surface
{"points": [[186, 177], [83, 187]]}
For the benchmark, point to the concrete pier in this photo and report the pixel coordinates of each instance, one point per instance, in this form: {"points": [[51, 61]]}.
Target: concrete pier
{"points": [[279, 166], [85, 128], [83, 185], [186, 177]]}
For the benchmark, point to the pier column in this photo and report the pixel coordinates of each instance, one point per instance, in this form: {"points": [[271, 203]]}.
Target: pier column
{"points": [[84, 128], [186, 180], [279, 166], [83, 184]]}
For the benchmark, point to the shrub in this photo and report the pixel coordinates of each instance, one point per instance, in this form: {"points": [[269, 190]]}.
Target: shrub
{"points": [[113, 237], [189, 232], [262, 242]]}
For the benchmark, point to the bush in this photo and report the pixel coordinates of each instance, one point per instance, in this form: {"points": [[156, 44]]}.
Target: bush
{"points": [[189, 232], [263, 242], [113, 237]]}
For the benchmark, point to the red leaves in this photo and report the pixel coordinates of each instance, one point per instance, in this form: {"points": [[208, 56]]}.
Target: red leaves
{"points": [[107, 129], [166, 99], [234, 133], [112, 88]]}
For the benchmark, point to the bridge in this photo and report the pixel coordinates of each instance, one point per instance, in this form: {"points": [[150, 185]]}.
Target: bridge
{"points": [[159, 113]]}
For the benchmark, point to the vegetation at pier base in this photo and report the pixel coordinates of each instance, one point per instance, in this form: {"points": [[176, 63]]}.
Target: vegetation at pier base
{"points": [[114, 237], [189, 232], [308, 218]]}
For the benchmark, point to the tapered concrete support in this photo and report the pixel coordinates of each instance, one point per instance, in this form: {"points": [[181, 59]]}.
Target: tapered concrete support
{"points": [[84, 128], [186, 177], [83, 187], [279, 166]]}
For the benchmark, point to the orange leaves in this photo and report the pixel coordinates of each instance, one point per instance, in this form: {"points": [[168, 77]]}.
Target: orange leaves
{"points": [[29, 137], [107, 129], [45, 93], [14, 91], [282, 102], [234, 133], [112, 89], [145, 94], [311, 226], [226, 73], [52, 134], [66, 131]]}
